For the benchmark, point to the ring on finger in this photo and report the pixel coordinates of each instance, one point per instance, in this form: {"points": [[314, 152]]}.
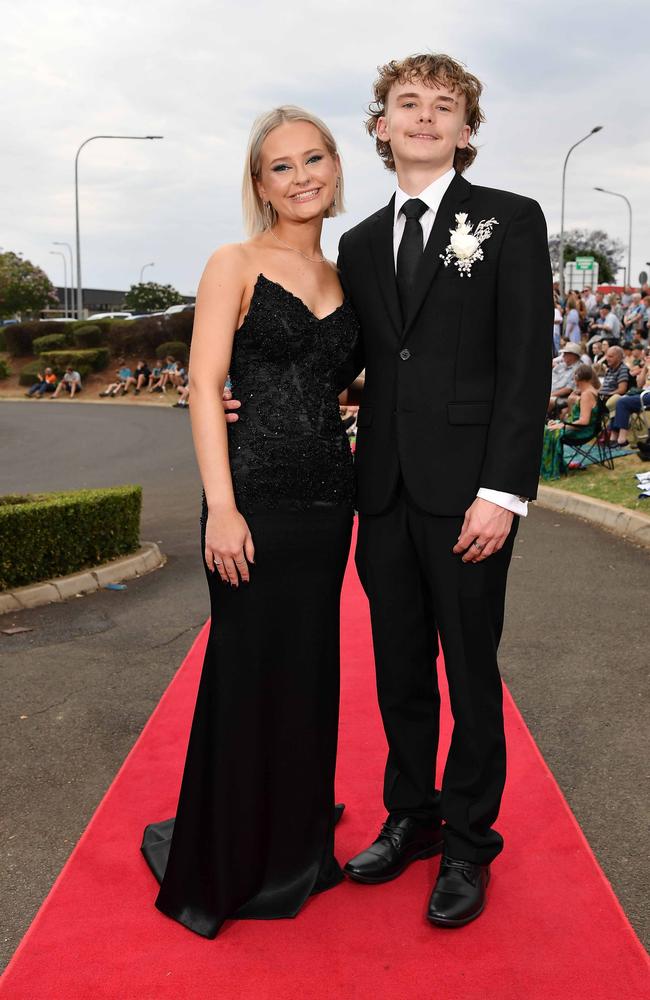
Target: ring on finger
{"points": [[478, 545]]}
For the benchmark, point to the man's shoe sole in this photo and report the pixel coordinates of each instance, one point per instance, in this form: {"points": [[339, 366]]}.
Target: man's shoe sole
{"points": [[427, 852]]}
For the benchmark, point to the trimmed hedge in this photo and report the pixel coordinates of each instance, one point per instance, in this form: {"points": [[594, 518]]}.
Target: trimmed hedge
{"points": [[29, 372], [44, 535], [5, 370], [88, 336], [51, 342], [18, 340], [137, 336], [176, 348], [97, 359], [3, 339]]}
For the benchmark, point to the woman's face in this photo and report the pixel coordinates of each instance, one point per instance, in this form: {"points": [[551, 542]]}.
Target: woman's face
{"points": [[297, 175]]}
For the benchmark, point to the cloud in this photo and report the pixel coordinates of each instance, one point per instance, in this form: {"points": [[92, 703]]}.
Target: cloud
{"points": [[198, 73]]}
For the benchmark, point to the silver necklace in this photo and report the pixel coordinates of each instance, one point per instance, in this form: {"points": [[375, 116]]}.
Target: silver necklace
{"points": [[314, 260]]}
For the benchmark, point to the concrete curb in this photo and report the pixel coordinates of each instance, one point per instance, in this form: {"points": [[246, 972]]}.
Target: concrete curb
{"points": [[164, 402], [625, 523], [147, 558]]}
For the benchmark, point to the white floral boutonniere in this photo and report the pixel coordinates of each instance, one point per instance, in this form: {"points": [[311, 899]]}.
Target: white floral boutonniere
{"points": [[464, 247]]}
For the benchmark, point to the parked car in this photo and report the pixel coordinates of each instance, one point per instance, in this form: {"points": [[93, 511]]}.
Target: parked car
{"points": [[145, 315], [111, 315], [182, 307]]}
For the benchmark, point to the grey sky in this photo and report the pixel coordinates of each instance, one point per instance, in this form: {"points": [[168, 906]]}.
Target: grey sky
{"points": [[199, 72]]}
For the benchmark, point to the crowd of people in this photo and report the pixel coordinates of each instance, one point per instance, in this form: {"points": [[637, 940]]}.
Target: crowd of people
{"points": [[601, 372], [166, 375]]}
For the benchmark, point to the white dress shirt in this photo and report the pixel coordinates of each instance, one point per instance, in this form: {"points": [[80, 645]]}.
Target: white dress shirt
{"points": [[432, 196]]}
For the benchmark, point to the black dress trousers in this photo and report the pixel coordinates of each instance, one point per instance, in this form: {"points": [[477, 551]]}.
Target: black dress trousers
{"points": [[417, 589]]}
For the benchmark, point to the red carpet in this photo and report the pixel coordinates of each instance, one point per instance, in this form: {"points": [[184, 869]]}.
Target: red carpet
{"points": [[553, 928]]}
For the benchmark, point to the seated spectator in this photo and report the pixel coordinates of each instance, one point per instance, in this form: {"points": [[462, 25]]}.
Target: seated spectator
{"points": [[179, 378], [616, 381], [170, 368], [139, 378], [635, 317], [598, 351], [581, 426], [46, 383], [156, 372], [563, 377], [629, 404], [183, 397], [608, 326], [118, 388], [71, 382]]}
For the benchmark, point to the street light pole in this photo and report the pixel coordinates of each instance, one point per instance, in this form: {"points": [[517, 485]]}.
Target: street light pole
{"points": [[566, 160], [152, 264], [59, 253], [76, 204], [61, 243], [629, 242]]}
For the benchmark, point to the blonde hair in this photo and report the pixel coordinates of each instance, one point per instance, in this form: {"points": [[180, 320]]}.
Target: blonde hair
{"points": [[257, 217]]}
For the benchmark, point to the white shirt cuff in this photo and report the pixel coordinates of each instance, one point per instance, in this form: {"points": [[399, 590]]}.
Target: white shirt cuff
{"points": [[507, 500]]}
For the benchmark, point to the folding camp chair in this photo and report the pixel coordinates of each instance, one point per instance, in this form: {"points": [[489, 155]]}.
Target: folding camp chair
{"points": [[596, 449]]}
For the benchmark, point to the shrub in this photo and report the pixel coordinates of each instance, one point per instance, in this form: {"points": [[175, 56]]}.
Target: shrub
{"points": [[5, 370], [29, 372], [45, 535], [96, 359], [137, 336], [176, 348], [3, 341], [18, 339], [50, 342], [178, 326], [88, 336]]}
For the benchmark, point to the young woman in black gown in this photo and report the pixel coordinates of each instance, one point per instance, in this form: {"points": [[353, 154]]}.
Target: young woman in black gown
{"points": [[253, 834]]}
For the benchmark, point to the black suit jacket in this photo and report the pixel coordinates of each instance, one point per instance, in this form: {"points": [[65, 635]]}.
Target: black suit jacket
{"points": [[455, 393]]}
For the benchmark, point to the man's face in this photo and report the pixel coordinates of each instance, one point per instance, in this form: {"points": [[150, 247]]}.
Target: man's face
{"points": [[424, 125], [571, 359], [603, 313], [613, 357]]}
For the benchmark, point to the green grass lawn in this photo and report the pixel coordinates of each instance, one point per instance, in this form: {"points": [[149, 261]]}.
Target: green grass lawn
{"points": [[617, 486]]}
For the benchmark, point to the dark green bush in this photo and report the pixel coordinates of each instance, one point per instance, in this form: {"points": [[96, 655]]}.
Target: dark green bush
{"points": [[176, 348], [5, 370], [45, 535], [29, 372], [96, 358], [51, 342], [3, 340], [137, 336], [178, 326], [88, 336], [18, 339]]}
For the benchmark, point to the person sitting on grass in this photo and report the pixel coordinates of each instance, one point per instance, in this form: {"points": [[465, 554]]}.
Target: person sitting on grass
{"points": [[118, 388], [71, 382], [170, 368], [183, 397], [156, 372], [139, 378], [46, 383]]}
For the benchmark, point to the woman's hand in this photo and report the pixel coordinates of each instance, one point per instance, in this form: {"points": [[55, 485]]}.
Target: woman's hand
{"points": [[229, 545]]}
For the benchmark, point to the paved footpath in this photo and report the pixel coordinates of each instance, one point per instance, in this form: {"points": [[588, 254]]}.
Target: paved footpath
{"points": [[78, 688]]}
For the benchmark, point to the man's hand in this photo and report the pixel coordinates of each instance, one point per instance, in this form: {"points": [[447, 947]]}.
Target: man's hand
{"points": [[485, 529], [230, 404]]}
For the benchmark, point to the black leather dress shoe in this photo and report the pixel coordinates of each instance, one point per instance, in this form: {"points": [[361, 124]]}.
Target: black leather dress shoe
{"points": [[400, 842], [459, 893]]}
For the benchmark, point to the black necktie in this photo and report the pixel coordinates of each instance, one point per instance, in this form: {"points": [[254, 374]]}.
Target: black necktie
{"points": [[410, 250]]}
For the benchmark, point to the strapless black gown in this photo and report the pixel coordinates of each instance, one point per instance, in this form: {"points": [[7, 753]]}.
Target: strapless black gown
{"points": [[253, 834]]}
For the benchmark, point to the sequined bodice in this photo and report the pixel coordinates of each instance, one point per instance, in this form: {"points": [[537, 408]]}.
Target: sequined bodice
{"points": [[289, 447]]}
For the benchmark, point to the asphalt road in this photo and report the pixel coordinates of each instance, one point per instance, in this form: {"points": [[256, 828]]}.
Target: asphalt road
{"points": [[78, 688]]}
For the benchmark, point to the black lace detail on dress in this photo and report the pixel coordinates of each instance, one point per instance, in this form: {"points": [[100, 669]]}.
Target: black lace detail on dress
{"points": [[289, 447]]}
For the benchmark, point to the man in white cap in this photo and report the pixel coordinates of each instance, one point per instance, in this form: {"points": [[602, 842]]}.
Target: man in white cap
{"points": [[563, 381]]}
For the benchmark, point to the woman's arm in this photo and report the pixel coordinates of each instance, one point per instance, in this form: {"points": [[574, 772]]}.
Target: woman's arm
{"points": [[218, 302]]}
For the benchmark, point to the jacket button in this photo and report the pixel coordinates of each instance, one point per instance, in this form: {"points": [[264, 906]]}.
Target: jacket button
{"points": [[405, 354]]}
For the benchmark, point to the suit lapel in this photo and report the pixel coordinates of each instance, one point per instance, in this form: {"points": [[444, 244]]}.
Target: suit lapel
{"points": [[381, 246], [458, 192]]}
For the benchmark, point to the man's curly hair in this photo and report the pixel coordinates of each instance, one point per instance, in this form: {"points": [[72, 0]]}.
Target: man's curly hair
{"points": [[430, 69]]}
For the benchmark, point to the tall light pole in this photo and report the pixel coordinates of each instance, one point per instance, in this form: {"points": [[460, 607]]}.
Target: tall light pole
{"points": [[76, 203], [152, 264], [584, 138], [61, 243], [629, 241], [59, 253]]}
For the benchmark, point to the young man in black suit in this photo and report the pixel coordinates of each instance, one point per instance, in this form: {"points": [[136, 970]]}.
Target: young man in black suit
{"points": [[448, 451]]}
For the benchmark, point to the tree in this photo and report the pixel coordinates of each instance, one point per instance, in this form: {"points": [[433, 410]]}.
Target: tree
{"points": [[23, 286], [589, 243], [149, 296]]}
